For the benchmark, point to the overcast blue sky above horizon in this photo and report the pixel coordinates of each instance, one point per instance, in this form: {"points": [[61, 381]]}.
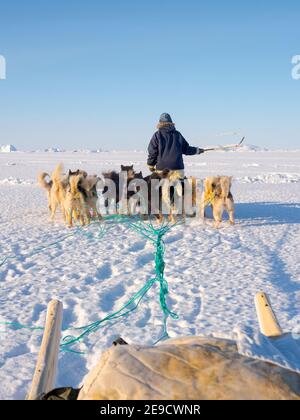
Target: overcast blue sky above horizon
{"points": [[97, 74]]}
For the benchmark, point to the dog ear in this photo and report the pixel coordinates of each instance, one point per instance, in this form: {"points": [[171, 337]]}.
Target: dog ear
{"points": [[70, 172], [122, 168]]}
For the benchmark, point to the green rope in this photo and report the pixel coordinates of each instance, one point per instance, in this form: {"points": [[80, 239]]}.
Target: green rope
{"points": [[148, 231], [18, 326], [156, 236]]}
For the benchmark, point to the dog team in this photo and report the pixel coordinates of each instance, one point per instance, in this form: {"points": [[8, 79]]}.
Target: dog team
{"points": [[78, 194], [165, 191]]}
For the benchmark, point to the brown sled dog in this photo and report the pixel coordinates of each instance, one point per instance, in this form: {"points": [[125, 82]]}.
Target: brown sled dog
{"points": [[87, 186]]}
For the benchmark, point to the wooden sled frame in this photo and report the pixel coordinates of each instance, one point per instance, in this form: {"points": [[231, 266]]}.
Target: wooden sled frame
{"points": [[46, 367]]}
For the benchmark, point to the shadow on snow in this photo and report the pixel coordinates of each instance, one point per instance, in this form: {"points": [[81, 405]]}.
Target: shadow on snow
{"points": [[264, 214]]}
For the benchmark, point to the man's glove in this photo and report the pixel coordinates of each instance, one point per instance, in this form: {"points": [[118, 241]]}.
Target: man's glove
{"points": [[151, 168], [199, 151]]}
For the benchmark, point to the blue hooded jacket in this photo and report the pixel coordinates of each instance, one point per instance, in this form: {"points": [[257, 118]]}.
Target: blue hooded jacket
{"points": [[167, 147]]}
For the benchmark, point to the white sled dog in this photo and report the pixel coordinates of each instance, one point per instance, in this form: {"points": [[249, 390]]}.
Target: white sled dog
{"points": [[217, 194]]}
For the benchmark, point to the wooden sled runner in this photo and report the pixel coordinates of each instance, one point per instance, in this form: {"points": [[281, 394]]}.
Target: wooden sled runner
{"points": [[268, 323], [45, 372]]}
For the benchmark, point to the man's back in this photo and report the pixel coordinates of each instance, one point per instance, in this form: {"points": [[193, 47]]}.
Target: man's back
{"points": [[167, 147]]}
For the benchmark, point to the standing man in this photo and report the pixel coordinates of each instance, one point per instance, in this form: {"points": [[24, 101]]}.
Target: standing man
{"points": [[167, 147]]}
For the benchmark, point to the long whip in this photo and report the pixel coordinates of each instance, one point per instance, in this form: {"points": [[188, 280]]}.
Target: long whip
{"points": [[227, 146]]}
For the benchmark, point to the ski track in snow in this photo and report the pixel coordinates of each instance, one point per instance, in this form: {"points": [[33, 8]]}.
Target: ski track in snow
{"points": [[212, 274]]}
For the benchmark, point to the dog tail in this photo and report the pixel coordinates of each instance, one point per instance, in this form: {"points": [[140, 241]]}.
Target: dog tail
{"points": [[43, 183], [57, 173], [225, 186]]}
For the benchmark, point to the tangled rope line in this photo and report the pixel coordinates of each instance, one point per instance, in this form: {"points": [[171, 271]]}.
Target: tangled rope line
{"points": [[148, 231]]}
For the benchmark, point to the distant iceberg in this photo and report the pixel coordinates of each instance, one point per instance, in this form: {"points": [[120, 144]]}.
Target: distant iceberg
{"points": [[87, 151], [251, 148], [54, 150], [7, 148]]}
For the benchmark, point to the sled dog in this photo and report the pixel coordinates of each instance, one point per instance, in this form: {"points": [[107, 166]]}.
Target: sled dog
{"points": [[56, 189], [60, 190], [217, 194], [87, 186]]}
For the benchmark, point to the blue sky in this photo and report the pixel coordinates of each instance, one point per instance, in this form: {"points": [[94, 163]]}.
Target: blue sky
{"points": [[97, 74]]}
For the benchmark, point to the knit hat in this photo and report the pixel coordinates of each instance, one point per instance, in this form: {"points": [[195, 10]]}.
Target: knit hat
{"points": [[165, 118]]}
